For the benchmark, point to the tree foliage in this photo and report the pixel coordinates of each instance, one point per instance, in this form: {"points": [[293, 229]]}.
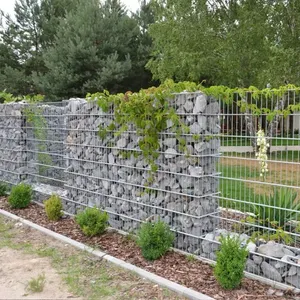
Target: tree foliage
{"points": [[68, 48], [228, 42]]}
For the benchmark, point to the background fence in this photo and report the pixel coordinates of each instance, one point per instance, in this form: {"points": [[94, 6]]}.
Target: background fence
{"points": [[56, 148], [264, 208]]}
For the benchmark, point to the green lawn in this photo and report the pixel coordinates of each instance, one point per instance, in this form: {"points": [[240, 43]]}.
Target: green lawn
{"points": [[278, 155], [233, 187], [236, 189], [246, 141]]}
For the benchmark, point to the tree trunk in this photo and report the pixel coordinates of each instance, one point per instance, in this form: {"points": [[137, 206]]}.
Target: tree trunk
{"points": [[250, 126], [273, 125]]}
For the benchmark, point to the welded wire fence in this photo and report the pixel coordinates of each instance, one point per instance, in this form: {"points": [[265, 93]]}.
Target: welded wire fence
{"points": [[215, 189], [262, 206]]}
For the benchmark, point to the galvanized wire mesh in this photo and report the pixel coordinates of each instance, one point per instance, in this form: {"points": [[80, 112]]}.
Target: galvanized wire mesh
{"points": [[264, 208], [200, 195]]}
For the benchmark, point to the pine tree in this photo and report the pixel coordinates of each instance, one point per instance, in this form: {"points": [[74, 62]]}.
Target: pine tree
{"points": [[91, 51]]}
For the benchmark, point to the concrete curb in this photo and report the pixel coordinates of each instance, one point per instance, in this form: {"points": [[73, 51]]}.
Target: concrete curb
{"points": [[179, 289]]}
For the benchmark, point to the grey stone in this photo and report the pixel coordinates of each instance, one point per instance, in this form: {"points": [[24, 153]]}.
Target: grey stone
{"points": [[212, 108], [182, 164], [212, 256], [195, 128], [293, 280], [200, 104], [195, 208], [252, 267], [293, 271], [199, 147], [169, 124], [272, 249], [251, 247], [106, 184], [188, 106], [190, 120], [270, 272], [111, 158], [202, 121], [186, 221], [170, 153], [170, 142], [121, 143], [288, 252], [257, 259], [195, 171], [175, 206], [185, 182]]}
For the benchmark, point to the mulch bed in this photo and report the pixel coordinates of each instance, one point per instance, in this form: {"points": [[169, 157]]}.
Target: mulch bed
{"points": [[173, 266]]}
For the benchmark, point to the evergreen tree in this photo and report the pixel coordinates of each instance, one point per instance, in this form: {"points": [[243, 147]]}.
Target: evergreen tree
{"points": [[24, 39], [91, 51], [140, 77]]}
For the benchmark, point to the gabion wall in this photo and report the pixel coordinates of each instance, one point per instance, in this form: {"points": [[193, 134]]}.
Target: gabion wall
{"points": [[183, 191], [112, 175], [12, 144]]}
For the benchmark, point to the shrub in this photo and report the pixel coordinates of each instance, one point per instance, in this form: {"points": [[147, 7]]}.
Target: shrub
{"points": [[277, 212], [231, 259], [92, 221], [20, 196], [53, 208], [3, 189], [155, 239]]}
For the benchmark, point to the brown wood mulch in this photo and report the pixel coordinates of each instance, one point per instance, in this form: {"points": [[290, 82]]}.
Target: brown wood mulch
{"points": [[173, 266]]}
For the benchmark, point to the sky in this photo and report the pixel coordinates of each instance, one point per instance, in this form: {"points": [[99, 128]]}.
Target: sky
{"points": [[8, 5]]}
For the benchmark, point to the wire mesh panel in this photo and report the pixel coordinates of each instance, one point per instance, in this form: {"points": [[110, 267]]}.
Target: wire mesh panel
{"points": [[259, 182], [111, 173], [251, 191], [12, 144], [45, 130]]}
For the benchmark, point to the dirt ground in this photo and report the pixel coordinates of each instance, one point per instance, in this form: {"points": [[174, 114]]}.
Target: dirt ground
{"points": [[69, 273], [17, 268], [120, 284]]}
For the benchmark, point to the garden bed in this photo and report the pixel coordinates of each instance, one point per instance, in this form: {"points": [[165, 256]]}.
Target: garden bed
{"points": [[174, 266]]}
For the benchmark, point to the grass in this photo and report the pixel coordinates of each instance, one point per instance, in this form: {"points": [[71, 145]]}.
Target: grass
{"points": [[236, 189], [246, 141], [233, 187], [276, 155], [36, 285], [191, 258], [85, 275]]}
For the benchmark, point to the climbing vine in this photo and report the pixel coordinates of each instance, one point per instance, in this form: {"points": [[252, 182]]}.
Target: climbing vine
{"points": [[150, 110]]}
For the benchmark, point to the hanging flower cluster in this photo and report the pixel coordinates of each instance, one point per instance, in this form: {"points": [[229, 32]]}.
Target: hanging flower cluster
{"points": [[261, 154]]}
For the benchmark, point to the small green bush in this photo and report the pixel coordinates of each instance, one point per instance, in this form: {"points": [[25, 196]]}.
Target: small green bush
{"points": [[92, 221], [53, 208], [155, 239], [3, 189], [231, 260], [20, 196]]}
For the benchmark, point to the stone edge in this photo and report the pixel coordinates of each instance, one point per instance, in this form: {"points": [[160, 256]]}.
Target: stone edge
{"points": [[179, 289]]}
